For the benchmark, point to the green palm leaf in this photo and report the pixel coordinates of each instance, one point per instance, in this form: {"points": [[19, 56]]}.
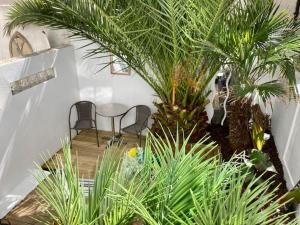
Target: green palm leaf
{"points": [[177, 184], [156, 34]]}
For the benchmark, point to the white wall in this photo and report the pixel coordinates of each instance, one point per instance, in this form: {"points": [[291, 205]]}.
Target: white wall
{"points": [[103, 87], [34, 121], [286, 132]]}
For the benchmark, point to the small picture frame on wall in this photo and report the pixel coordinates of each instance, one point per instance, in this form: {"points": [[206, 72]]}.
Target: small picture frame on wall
{"points": [[118, 67]]}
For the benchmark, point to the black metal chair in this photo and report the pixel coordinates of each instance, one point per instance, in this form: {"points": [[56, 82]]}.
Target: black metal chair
{"points": [[143, 113], [85, 120]]}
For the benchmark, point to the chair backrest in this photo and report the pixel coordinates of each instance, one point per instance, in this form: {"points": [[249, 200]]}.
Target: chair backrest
{"points": [[143, 112], [84, 110]]}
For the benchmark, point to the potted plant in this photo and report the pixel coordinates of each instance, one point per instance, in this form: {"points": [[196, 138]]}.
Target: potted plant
{"points": [[259, 48]]}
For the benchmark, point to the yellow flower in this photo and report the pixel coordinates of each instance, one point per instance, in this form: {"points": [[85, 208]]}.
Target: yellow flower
{"points": [[132, 152]]}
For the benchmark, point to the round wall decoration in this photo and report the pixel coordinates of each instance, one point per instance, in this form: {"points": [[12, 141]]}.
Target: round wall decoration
{"points": [[19, 46]]}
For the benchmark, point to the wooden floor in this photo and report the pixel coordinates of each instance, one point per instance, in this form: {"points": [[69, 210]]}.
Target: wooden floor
{"points": [[86, 152]]}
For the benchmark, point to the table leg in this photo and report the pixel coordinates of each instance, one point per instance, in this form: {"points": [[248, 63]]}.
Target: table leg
{"points": [[113, 138], [113, 127]]}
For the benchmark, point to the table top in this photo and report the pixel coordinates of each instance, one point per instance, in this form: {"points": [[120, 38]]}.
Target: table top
{"points": [[112, 109]]}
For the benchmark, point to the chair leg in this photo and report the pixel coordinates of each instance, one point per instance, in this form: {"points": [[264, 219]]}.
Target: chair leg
{"points": [[70, 133], [97, 134], [140, 137], [97, 137]]}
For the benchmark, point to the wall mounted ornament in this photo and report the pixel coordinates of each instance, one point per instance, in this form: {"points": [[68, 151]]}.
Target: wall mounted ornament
{"points": [[31, 81], [19, 46]]}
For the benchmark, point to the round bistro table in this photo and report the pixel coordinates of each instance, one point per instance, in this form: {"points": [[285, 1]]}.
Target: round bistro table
{"points": [[112, 110]]}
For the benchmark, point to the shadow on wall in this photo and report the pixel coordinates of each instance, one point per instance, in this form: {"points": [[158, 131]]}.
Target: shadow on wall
{"points": [[285, 129], [34, 121], [15, 114]]}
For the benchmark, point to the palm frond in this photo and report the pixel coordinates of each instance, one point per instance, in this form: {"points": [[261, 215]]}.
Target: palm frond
{"points": [[152, 37], [181, 186], [177, 184]]}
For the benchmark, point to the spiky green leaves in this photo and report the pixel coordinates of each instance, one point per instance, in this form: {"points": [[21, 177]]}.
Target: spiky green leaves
{"points": [[178, 184]]}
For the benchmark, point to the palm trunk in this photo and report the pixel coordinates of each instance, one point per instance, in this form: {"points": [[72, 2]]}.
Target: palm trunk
{"points": [[239, 131], [169, 118]]}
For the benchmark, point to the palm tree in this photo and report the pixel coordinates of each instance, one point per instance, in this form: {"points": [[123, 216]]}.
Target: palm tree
{"points": [[259, 49], [159, 39]]}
